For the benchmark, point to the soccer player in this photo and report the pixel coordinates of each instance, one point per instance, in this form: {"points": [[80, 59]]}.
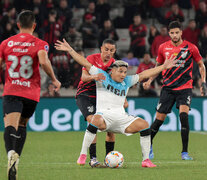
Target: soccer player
{"points": [[111, 94], [22, 55], [177, 83], [86, 93]]}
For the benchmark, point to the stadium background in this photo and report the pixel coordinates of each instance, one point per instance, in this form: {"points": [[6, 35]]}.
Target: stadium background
{"points": [[52, 155], [61, 113]]}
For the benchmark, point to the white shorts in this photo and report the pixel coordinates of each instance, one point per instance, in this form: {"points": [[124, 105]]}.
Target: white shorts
{"points": [[117, 122]]}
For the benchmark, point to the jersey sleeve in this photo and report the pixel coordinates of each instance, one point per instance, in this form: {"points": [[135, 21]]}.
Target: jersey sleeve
{"points": [[160, 57], [42, 45], [196, 54], [94, 70], [132, 80], [2, 50], [90, 60]]}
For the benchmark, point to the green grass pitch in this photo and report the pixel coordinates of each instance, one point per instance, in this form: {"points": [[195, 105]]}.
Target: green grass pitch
{"points": [[53, 155]]}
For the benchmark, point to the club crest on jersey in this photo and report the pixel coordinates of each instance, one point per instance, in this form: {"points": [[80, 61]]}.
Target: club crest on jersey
{"points": [[184, 54], [90, 109], [46, 48]]}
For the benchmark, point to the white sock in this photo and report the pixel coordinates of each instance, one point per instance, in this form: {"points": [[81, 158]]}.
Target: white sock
{"points": [[87, 140], [145, 145], [10, 153]]}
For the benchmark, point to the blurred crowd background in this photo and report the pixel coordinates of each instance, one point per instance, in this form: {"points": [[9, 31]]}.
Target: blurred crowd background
{"points": [[137, 26]]}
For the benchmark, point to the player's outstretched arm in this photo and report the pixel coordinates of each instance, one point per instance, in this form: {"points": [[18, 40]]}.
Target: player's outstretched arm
{"points": [[169, 63], [147, 84], [202, 71], [86, 77], [64, 46], [47, 67]]}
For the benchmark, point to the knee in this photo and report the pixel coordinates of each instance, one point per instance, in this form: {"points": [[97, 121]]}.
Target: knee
{"points": [[145, 125], [110, 135], [23, 122], [184, 120], [99, 122], [89, 118]]}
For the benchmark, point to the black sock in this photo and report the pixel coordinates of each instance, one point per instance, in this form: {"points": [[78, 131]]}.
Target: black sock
{"points": [[109, 146], [145, 132], [155, 128], [10, 138], [21, 134], [92, 150], [184, 130]]}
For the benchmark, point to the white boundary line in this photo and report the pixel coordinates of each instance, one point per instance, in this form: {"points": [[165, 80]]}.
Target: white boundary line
{"points": [[199, 132], [138, 162]]}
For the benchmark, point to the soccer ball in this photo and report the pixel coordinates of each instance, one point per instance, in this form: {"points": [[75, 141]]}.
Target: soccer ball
{"points": [[114, 159]]}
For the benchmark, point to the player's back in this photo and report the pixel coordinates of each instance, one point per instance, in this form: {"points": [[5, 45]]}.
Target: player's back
{"points": [[20, 53]]}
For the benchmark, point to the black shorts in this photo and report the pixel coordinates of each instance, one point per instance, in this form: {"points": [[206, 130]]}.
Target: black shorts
{"points": [[169, 97], [87, 105], [19, 104]]}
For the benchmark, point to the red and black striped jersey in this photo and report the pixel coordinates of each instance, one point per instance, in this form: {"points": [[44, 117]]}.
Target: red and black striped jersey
{"points": [[89, 88], [180, 76]]}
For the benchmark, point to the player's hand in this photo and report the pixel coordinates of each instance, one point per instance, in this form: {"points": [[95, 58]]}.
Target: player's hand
{"points": [[146, 85], [63, 46], [56, 84], [203, 89], [99, 77], [171, 62]]}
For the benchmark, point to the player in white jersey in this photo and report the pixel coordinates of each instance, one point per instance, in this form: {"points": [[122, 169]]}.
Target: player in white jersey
{"points": [[111, 93]]}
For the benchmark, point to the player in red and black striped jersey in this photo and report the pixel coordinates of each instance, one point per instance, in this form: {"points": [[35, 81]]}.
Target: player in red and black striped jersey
{"points": [[22, 54], [86, 92], [177, 83]]}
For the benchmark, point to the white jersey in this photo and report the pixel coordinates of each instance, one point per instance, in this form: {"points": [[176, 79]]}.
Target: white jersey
{"points": [[111, 95]]}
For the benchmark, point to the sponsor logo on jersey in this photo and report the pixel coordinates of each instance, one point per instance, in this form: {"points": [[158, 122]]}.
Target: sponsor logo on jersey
{"points": [[168, 48], [46, 47], [116, 91], [21, 83], [13, 43], [10, 43], [183, 49], [20, 50], [98, 65]]}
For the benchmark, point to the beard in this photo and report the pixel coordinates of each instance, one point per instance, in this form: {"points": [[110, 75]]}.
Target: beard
{"points": [[176, 40]]}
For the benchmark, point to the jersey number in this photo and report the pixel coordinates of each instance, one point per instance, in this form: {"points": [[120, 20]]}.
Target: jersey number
{"points": [[25, 70]]}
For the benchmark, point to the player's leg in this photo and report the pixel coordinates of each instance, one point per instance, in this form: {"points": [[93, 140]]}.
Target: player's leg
{"points": [[22, 134], [160, 117], [87, 107], [29, 107], [92, 149], [140, 125], [183, 102], [164, 107], [12, 108], [90, 134], [110, 141]]}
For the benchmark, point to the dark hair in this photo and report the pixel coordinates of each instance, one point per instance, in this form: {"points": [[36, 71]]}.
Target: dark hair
{"points": [[174, 24], [26, 19], [109, 41]]}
